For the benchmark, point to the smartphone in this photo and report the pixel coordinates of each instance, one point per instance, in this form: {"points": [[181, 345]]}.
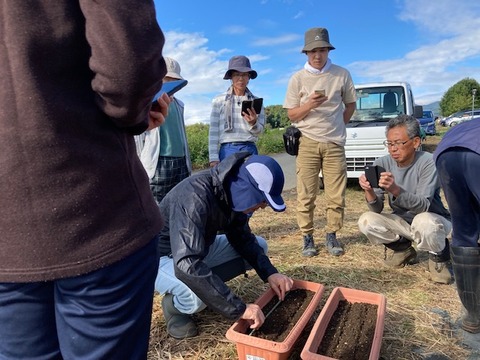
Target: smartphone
{"points": [[320, 92], [372, 173], [169, 87], [255, 104]]}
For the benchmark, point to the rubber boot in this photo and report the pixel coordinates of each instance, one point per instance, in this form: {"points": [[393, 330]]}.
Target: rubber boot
{"points": [[438, 266], [403, 253], [466, 268], [179, 325]]}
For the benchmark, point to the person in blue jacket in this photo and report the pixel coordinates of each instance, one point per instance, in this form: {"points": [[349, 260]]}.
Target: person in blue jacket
{"points": [[457, 158]]}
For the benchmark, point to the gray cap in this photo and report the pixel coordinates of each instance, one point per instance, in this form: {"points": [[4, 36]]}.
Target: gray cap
{"points": [[239, 63], [317, 38]]}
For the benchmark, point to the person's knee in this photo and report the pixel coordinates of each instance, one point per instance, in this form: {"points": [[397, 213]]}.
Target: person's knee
{"points": [[366, 220], [263, 244], [188, 303], [422, 219]]}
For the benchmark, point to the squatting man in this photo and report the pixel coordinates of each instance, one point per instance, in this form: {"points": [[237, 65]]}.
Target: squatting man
{"points": [[195, 261], [410, 182]]}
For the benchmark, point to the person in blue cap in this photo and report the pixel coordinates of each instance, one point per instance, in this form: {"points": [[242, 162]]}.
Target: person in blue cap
{"points": [[207, 241]]}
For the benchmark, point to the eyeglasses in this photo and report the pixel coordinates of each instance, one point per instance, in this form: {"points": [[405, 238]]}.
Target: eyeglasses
{"points": [[239, 75], [396, 144]]}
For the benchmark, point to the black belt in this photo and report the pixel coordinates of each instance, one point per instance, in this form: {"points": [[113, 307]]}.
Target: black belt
{"points": [[239, 143]]}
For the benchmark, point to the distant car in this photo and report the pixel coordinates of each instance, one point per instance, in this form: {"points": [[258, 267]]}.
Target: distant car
{"points": [[464, 116], [446, 120], [427, 122]]}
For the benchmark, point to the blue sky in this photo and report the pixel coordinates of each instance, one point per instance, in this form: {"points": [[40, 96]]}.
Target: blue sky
{"points": [[432, 44]]}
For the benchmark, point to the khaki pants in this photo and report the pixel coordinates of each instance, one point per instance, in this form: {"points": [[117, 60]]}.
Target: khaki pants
{"points": [[312, 157], [428, 230]]}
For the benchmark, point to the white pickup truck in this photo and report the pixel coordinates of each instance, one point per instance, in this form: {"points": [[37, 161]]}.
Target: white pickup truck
{"points": [[376, 104]]}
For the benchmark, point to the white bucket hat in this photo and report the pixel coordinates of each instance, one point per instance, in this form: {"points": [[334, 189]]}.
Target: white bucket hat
{"points": [[173, 68]]}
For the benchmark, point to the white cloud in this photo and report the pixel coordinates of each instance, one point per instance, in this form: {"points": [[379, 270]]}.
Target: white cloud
{"points": [[204, 69], [299, 15], [442, 17], [446, 37], [434, 67], [235, 30], [277, 40]]}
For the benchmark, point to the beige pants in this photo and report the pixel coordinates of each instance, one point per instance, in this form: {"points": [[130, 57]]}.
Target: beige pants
{"points": [[428, 230], [330, 159]]}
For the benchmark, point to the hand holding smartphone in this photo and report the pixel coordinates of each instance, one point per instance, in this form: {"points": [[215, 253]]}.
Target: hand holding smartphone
{"points": [[372, 173], [255, 104], [169, 87]]}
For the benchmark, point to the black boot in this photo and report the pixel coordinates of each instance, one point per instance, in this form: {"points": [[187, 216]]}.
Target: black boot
{"points": [[466, 268], [179, 325], [438, 266]]}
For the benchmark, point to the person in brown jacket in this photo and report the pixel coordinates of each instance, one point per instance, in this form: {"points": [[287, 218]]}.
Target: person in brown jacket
{"points": [[78, 222]]}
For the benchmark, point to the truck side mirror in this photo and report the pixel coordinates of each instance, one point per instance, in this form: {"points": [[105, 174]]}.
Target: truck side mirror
{"points": [[418, 111]]}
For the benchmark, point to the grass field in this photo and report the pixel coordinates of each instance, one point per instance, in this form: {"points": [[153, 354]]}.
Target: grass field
{"points": [[422, 317]]}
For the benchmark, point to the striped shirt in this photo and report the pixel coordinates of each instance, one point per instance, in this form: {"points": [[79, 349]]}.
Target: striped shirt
{"points": [[241, 132]]}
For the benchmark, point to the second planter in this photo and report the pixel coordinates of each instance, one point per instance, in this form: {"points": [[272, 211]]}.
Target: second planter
{"points": [[317, 335]]}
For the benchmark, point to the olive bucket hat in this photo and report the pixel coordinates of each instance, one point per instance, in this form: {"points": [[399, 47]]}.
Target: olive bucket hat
{"points": [[239, 63], [317, 38]]}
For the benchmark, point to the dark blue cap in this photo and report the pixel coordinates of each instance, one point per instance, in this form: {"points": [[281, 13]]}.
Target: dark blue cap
{"points": [[259, 179]]}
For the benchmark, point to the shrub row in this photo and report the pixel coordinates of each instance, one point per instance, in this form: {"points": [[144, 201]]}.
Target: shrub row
{"points": [[269, 142]]}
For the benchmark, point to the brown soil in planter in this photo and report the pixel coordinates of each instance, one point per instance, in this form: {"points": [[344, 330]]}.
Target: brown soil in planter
{"points": [[281, 321], [349, 334]]}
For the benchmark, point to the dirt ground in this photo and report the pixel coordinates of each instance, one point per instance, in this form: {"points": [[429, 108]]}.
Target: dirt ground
{"points": [[422, 318]]}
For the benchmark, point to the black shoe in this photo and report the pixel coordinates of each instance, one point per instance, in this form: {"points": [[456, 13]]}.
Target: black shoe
{"points": [[179, 325], [333, 245], [309, 249]]}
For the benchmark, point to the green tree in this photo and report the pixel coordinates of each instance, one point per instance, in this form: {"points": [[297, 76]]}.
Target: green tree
{"points": [[270, 142], [459, 97], [197, 137], [276, 116]]}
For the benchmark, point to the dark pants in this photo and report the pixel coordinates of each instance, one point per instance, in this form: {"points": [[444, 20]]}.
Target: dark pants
{"points": [[104, 314], [170, 171], [459, 174]]}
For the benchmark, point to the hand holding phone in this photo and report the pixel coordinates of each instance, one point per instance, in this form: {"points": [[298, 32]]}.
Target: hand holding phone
{"points": [[372, 173], [255, 104], [158, 111], [169, 87]]}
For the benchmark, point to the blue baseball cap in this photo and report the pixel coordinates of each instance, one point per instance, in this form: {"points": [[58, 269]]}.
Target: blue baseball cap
{"points": [[259, 179]]}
